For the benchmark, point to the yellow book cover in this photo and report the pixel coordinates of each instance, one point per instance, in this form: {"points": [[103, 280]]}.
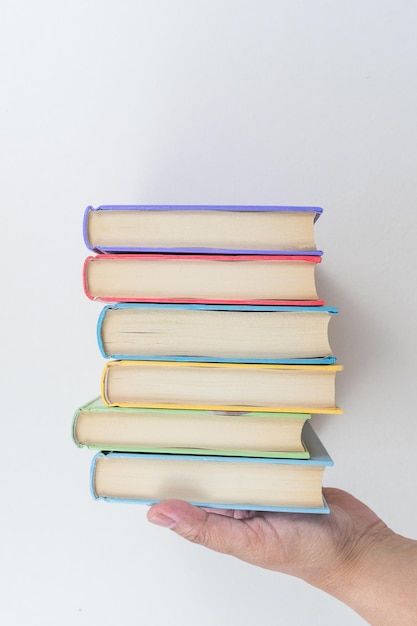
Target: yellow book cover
{"points": [[221, 386]]}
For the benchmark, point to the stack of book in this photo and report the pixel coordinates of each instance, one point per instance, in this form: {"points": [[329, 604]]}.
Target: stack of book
{"points": [[217, 354]]}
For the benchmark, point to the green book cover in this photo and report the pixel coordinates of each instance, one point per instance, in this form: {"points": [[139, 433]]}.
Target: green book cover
{"points": [[186, 431]]}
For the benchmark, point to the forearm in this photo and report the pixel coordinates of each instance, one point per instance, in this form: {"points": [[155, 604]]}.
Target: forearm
{"points": [[381, 584]]}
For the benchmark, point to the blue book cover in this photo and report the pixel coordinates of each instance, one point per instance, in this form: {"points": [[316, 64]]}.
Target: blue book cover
{"points": [[216, 333], [246, 483], [214, 229]]}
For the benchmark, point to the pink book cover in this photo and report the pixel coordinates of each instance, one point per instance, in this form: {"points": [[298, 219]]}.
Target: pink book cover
{"points": [[103, 258]]}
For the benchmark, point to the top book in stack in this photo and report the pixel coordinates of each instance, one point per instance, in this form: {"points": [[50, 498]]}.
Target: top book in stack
{"points": [[217, 229]]}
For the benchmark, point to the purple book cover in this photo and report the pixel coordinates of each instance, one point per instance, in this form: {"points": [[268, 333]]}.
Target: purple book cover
{"points": [[199, 250]]}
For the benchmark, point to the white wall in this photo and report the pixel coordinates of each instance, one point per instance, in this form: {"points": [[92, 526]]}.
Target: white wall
{"points": [[211, 101]]}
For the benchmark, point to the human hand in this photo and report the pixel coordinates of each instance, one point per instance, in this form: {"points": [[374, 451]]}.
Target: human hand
{"points": [[350, 553], [306, 546]]}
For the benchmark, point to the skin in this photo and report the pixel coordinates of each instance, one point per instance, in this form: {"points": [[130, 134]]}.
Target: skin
{"points": [[350, 554]]}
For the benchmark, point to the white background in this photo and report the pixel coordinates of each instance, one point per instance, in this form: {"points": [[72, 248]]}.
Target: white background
{"points": [[214, 101]]}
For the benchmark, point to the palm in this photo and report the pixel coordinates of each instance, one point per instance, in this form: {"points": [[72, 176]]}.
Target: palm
{"points": [[286, 541], [298, 544]]}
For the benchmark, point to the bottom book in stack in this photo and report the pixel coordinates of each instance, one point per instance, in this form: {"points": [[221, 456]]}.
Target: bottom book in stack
{"points": [[252, 460]]}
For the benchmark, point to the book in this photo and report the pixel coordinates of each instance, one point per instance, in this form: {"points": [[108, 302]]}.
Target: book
{"points": [[185, 228], [220, 386], [183, 431], [202, 278], [215, 481], [197, 332]]}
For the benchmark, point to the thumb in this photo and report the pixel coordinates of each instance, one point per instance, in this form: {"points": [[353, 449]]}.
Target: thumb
{"points": [[217, 532]]}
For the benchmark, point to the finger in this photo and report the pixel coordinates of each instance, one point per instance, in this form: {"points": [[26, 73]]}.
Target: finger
{"points": [[218, 532]]}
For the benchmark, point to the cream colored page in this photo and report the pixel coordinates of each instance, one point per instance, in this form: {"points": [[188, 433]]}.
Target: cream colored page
{"points": [[260, 483], [217, 229], [185, 332], [212, 431], [222, 280], [205, 386]]}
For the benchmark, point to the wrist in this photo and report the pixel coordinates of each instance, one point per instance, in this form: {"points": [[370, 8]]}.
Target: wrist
{"points": [[377, 579]]}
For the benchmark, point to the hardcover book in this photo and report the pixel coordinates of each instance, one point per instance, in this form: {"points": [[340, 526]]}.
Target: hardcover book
{"points": [[199, 229], [220, 333], [185, 431], [189, 278], [293, 485], [221, 386]]}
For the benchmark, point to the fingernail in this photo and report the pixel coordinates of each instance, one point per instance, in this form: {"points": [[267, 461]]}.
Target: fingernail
{"points": [[162, 520]]}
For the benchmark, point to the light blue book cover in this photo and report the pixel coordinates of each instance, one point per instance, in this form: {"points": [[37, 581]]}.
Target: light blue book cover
{"points": [[290, 485], [178, 328]]}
